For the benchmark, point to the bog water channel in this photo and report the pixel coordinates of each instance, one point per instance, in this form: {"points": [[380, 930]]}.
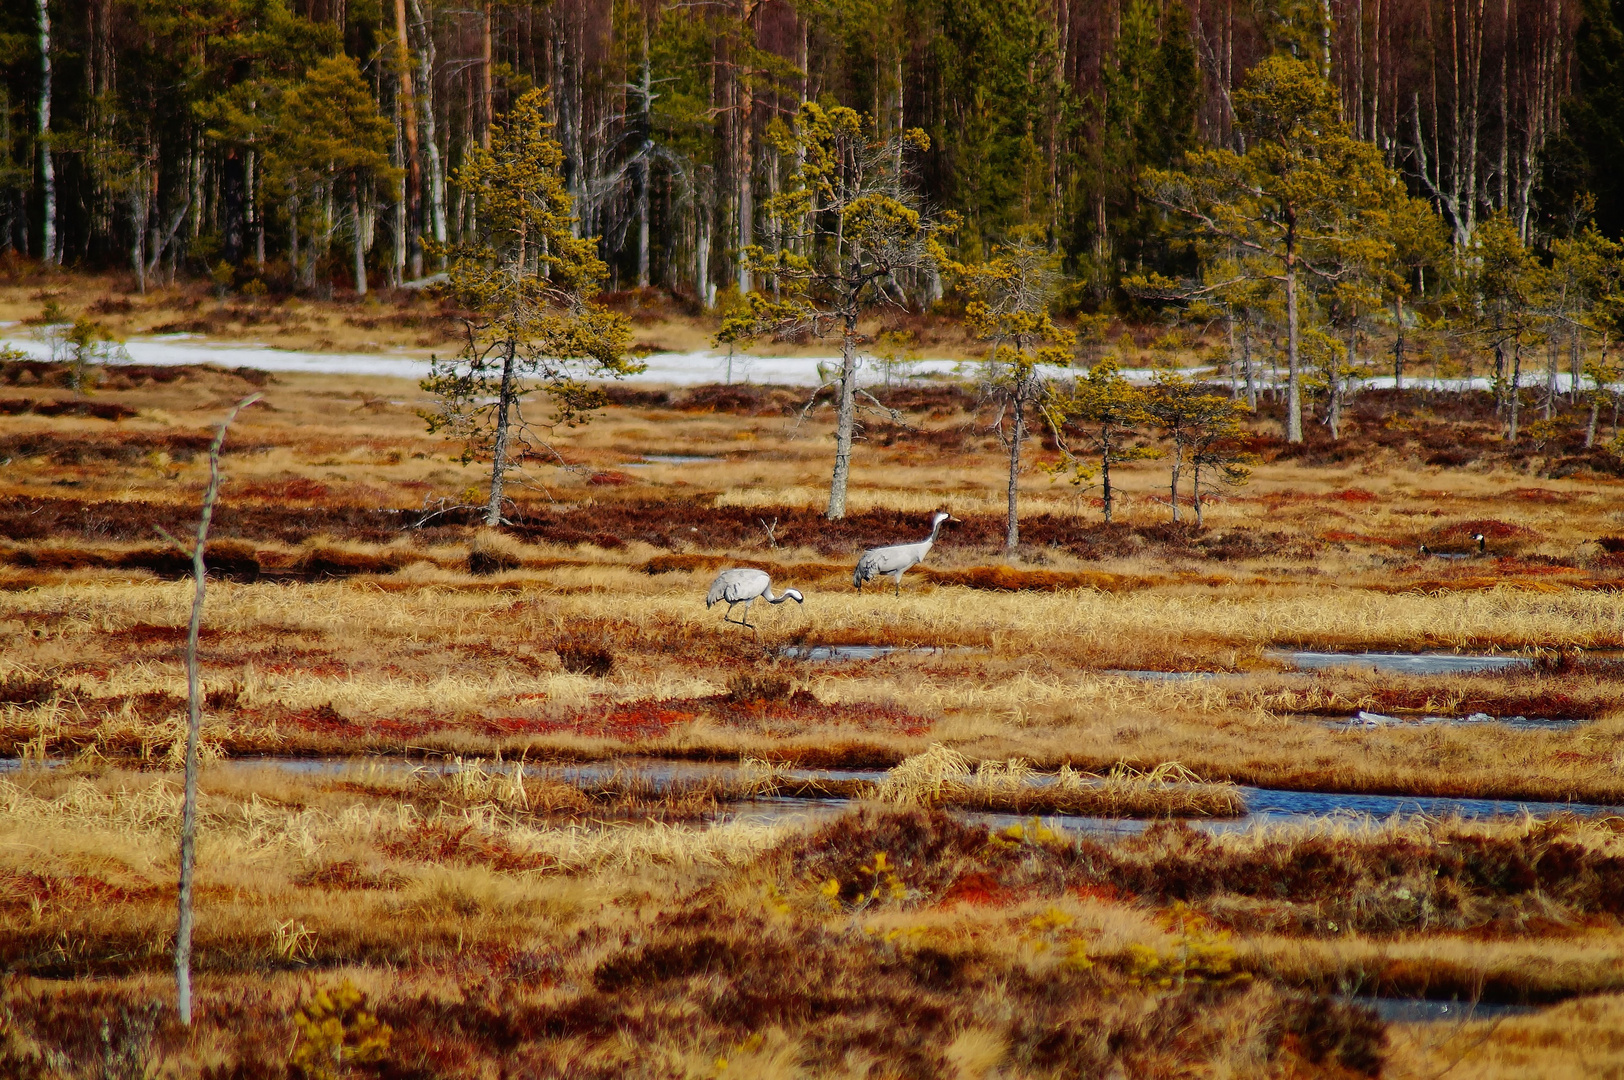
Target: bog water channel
{"points": [[1397, 1010], [673, 459], [1400, 663], [1265, 806], [1382, 663]]}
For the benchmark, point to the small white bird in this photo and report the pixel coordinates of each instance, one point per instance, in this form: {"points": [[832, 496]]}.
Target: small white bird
{"points": [[742, 586], [893, 560]]}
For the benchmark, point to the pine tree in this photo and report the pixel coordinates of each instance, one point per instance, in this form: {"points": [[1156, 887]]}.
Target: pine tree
{"points": [[331, 143], [1108, 411], [526, 278], [1012, 292], [850, 235], [1218, 458], [1506, 289], [1306, 198], [1174, 404], [1205, 431]]}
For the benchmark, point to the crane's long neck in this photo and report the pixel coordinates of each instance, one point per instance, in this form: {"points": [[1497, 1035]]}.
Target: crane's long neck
{"points": [[935, 527], [767, 595]]}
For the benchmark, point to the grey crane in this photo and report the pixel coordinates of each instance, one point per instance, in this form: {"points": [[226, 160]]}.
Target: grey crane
{"points": [[743, 585], [1479, 553], [893, 560]]}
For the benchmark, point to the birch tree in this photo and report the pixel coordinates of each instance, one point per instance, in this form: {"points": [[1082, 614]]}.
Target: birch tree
{"points": [[47, 163]]}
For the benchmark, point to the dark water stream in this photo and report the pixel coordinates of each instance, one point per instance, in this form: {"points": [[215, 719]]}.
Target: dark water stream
{"points": [[834, 654], [1399, 663], [1265, 806], [674, 459], [1425, 1010]]}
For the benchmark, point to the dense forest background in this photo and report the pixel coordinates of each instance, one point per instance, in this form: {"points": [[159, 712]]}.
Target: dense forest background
{"points": [[286, 141]]}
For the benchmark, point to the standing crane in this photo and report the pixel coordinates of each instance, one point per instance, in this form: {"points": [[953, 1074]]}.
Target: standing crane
{"points": [[893, 560], [744, 585]]}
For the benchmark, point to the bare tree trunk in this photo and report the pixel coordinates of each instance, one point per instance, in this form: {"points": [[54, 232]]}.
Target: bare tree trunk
{"points": [[1575, 363], [137, 195], [1337, 385], [846, 415], [644, 168], [256, 207], [1173, 479], [1552, 358], [194, 725], [1246, 360], [1398, 343], [1516, 393], [504, 402], [1505, 109], [1012, 527], [397, 262], [1590, 428], [425, 95], [1294, 396], [293, 235], [1106, 495], [359, 247], [702, 246], [407, 105], [485, 116], [746, 196], [47, 164]]}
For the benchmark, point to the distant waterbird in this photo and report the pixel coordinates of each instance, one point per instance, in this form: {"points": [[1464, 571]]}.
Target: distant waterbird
{"points": [[744, 585], [894, 560], [1482, 549]]}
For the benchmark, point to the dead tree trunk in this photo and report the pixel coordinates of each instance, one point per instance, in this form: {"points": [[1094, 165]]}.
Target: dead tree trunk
{"points": [[47, 165], [194, 723]]}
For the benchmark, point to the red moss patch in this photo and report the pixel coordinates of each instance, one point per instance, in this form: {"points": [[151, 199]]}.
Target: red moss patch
{"points": [[791, 715], [347, 874], [298, 488], [437, 842], [979, 889], [21, 889]]}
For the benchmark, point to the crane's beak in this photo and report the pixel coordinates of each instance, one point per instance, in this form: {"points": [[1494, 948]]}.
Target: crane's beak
{"points": [[955, 521]]}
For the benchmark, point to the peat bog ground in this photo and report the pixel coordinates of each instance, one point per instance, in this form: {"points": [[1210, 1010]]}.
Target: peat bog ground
{"points": [[441, 887]]}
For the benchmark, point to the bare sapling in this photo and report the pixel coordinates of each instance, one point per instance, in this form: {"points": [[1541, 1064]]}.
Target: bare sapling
{"points": [[194, 719]]}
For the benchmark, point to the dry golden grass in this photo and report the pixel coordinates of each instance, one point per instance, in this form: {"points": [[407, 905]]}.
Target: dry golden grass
{"points": [[477, 902], [1577, 1039]]}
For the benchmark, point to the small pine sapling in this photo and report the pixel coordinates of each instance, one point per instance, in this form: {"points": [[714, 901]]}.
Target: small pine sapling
{"points": [[1010, 308], [524, 282], [1107, 412]]}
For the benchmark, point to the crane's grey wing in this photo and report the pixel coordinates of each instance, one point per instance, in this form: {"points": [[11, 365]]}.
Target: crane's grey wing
{"points": [[733, 586], [888, 560], [871, 564]]}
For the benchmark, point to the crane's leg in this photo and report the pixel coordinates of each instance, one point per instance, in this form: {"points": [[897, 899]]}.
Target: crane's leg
{"points": [[728, 616], [746, 620], [897, 582]]}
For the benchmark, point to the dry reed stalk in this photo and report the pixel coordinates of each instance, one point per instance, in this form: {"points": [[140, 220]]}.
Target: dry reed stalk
{"points": [[943, 777]]}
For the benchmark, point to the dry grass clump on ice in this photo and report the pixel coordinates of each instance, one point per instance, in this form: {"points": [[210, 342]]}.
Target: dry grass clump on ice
{"points": [[941, 776]]}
